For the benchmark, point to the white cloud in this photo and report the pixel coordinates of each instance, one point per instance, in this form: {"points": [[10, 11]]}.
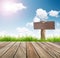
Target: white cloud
{"points": [[3, 33], [24, 31], [27, 32], [41, 14], [53, 33], [54, 13], [11, 7], [29, 24], [36, 19], [35, 33]]}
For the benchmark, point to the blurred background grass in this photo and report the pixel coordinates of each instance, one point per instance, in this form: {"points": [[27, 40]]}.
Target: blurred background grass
{"points": [[29, 39]]}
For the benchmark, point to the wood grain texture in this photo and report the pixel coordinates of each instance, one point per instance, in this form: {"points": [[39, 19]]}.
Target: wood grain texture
{"points": [[11, 52], [5, 49], [42, 53], [21, 52], [29, 50], [3, 44]]}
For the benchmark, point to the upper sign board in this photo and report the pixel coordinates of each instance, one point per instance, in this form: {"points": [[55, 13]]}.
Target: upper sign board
{"points": [[44, 25]]}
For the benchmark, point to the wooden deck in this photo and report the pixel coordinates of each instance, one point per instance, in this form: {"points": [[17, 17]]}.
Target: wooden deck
{"points": [[29, 50]]}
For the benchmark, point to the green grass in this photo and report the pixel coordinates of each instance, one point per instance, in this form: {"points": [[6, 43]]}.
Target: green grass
{"points": [[28, 39], [55, 39], [8, 38]]}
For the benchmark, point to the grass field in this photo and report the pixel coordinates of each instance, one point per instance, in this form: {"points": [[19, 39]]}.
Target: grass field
{"points": [[29, 39]]}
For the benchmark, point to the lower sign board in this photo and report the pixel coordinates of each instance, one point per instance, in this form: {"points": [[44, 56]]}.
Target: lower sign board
{"points": [[44, 25]]}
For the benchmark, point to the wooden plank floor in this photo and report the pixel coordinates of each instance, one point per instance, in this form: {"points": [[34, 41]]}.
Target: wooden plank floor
{"points": [[29, 50]]}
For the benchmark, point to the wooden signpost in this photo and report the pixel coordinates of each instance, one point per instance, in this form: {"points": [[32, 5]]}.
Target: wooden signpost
{"points": [[43, 26]]}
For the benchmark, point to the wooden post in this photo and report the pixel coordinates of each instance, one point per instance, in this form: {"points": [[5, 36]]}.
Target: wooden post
{"points": [[42, 33]]}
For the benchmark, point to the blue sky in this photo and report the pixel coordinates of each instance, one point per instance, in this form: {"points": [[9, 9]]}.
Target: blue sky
{"points": [[20, 21]]}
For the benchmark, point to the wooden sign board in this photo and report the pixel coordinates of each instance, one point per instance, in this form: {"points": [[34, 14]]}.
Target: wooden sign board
{"points": [[44, 25]]}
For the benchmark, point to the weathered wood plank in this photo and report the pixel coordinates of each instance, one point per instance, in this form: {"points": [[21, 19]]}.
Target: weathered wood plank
{"points": [[42, 53], [23, 47], [4, 49], [31, 52], [48, 50], [21, 53], [53, 49], [11, 52], [3, 44], [54, 45], [57, 43]]}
